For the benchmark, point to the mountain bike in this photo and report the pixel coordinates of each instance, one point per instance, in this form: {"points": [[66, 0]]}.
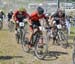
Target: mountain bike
{"points": [[60, 37], [39, 42], [20, 32]]}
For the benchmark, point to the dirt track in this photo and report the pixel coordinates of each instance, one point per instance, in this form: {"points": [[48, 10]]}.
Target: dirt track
{"points": [[12, 53]]}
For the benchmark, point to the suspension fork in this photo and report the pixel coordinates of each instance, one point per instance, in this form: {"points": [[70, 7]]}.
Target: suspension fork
{"points": [[59, 34]]}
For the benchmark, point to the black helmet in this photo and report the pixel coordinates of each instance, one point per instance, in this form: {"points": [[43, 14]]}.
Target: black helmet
{"points": [[40, 10]]}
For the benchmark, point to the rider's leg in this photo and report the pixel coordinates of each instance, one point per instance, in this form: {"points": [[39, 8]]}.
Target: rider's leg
{"points": [[31, 32], [53, 34], [30, 36], [52, 29], [16, 26], [33, 29]]}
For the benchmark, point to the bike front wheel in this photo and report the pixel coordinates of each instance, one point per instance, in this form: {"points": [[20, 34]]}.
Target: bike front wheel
{"points": [[63, 39], [41, 47], [25, 42]]}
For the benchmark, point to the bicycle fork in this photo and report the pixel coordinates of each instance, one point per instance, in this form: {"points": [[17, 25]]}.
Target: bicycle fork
{"points": [[59, 35]]}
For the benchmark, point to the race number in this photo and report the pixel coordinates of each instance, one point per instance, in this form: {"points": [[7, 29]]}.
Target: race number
{"points": [[21, 24]]}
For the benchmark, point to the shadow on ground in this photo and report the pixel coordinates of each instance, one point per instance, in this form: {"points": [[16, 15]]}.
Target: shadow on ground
{"points": [[9, 57], [54, 55]]}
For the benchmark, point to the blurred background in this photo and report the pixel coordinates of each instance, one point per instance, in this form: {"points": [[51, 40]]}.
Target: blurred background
{"points": [[30, 5]]}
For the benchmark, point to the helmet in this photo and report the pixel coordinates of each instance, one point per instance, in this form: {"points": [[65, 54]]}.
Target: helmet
{"points": [[40, 10], [22, 9], [59, 10]]}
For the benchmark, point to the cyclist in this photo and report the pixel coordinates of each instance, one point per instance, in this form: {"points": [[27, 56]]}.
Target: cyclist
{"points": [[10, 14], [56, 18], [20, 15], [35, 19], [2, 15], [60, 17]]}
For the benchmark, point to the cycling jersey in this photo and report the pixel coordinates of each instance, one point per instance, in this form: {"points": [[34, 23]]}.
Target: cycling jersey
{"points": [[10, 15], [34, 16], [57, 16], [1, 15], [20, 16], [35, 19]]}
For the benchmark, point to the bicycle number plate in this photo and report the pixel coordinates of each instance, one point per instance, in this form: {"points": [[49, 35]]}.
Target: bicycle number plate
{"points": [[21, 24], [59, 26]]}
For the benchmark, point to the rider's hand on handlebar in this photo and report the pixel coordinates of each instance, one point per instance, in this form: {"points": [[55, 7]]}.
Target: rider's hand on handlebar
{"points": [[25, 20], [17, 22], [30, 22], [57, 18]]}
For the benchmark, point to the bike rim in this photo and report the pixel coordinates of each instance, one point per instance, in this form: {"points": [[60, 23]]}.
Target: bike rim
{"points": [[41, 52], [25, 42], [64, 41]]}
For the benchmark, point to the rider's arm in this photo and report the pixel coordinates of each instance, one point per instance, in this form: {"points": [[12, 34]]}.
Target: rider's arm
{"points": [[3, 14], [46, 20], [51, 20], [30, 21], [26, 15], [14, 16], [31, 17]]}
